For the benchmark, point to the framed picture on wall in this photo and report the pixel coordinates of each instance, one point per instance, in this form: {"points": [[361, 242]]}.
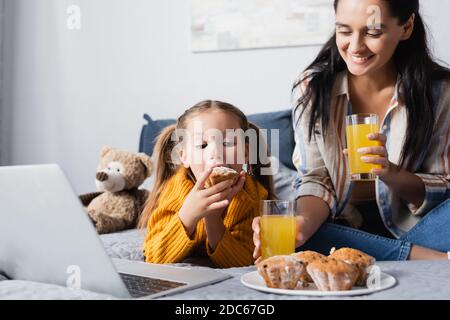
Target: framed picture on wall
{"points": [[248, 24]]}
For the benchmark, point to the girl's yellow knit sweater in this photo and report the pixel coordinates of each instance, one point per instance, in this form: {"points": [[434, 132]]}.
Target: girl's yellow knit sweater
{"points": [[168, 242]]}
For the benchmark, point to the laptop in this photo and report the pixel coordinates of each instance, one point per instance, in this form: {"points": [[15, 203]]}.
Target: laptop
{"points": [[46, 236]]}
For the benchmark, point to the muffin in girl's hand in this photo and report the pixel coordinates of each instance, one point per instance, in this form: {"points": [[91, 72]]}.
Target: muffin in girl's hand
{"points": [[220, 174], [357, 258], [330, 274], [283, 272]]}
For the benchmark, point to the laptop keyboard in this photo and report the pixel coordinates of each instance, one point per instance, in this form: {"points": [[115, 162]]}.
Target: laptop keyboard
{"points": [[139, 286]]}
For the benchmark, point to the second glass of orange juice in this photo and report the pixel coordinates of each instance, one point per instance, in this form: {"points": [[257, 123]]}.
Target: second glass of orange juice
{"points": [[358, 127], [278, 228]]}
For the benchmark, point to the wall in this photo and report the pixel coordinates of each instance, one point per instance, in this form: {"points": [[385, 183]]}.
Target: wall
{"points": [[3, 127], [71, 92]]}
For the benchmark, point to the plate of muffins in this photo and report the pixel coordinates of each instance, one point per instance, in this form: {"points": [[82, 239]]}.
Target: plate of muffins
{"points": [[344, 272]]}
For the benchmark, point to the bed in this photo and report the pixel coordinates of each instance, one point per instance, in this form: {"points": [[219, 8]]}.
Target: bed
{"points": [[415, 280]]}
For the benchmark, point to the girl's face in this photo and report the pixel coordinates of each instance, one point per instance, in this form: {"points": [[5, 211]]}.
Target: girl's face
{"points": [[367, 35], [207, 143]]}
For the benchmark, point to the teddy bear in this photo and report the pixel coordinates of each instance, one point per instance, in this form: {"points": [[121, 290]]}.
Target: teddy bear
{"points": [[118, 203]]}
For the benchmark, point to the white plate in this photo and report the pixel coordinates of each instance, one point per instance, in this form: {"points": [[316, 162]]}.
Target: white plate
{"points": [[255, 281]]}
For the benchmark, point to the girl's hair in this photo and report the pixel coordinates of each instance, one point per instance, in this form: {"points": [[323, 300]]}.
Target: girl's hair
{"points": [[166, 167], [415, 65]]}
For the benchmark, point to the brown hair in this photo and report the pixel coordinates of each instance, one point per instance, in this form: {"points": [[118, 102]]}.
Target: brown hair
{"points": [[166, 167]]}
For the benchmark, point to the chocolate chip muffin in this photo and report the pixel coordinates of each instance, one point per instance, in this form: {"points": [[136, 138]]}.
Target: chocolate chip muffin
{"points": [[357, 258], [306, 257], [281, 272], [330, 274]]}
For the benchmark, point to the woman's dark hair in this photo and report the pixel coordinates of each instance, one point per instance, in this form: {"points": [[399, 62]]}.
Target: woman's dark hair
{"points": [[415, 65]]}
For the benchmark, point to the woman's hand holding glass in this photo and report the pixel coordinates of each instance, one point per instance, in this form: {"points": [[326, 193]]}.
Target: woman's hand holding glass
{"points": [[377, 155]]}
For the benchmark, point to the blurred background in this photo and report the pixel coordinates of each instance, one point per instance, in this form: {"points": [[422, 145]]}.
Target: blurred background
{"points": [[65, 92]]}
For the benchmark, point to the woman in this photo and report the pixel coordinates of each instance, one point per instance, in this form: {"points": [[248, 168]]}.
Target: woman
{"points": [[380, 64]]}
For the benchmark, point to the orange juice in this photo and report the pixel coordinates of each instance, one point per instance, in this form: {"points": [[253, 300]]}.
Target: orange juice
{"points": [[277, 235], [357, 138]]}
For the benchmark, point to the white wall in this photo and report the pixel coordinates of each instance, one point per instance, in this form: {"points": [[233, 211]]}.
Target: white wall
{"points": [[3, 136], [71, 92]]}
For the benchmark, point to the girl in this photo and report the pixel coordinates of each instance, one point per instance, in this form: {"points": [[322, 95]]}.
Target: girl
{"points": [[183, 218], [381, 66]]}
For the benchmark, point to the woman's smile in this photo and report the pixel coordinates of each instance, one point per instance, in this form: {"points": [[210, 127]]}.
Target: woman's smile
{"points": [[360, 59]]}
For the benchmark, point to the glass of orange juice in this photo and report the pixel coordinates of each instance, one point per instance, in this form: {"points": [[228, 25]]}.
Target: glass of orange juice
{"points": [[277, 228], [358, 127]]}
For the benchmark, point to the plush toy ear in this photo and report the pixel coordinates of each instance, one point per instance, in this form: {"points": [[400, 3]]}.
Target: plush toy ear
{"points": [[147, 162], [104, 151]]}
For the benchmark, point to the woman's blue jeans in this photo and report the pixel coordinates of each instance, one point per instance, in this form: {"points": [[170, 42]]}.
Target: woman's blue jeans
{"points": [[433, 232]]}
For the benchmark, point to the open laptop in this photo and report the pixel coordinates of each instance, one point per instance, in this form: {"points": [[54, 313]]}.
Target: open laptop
{"points": [[46, 236]]}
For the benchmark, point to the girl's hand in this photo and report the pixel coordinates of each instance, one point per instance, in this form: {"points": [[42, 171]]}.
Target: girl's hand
{"points": [[214, 219], [299, 238], [237, 186], [200, 201], [377, 155]]}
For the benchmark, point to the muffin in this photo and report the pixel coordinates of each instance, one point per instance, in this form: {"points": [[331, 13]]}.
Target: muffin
{"points": [[306, 257], [357, 258], [281, 272], [220, 174], [330, 274]]}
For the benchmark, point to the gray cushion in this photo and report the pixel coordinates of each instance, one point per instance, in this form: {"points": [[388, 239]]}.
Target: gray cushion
{"points": [[273, 120], [150, 132]]}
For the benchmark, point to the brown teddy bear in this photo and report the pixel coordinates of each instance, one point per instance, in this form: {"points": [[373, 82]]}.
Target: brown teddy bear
{"points": [[119, 202]]}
